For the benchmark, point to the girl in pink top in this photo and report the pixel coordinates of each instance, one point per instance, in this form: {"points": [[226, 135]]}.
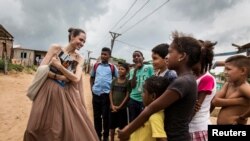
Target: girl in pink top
{"points": [[206, 91]]}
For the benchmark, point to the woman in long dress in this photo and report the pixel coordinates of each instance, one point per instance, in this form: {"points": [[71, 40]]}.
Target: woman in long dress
{"points": [[58, 112]]}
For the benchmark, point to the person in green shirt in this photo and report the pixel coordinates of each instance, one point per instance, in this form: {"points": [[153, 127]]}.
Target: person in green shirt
{"points": [[137, 77]]}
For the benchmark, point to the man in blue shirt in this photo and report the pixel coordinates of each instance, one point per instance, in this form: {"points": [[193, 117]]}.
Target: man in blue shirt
{"points": [[100, 81]]}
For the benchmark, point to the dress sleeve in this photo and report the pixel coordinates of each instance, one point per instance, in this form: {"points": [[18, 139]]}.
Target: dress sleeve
{"points": [[206, 84]]}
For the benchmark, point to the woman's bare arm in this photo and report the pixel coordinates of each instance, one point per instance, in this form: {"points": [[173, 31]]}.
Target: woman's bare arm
{"points": [[75, 77], [57, 76], [53, 51]]}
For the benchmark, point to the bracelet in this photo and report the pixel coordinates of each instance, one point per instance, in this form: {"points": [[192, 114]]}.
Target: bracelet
{"points": [[55, 76]]}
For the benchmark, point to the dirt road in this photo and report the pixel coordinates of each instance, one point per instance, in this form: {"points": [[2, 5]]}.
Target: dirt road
{"points": [[15, 106]]}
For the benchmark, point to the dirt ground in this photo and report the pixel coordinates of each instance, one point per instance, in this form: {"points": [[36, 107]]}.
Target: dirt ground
{"points": [[15, 106]]}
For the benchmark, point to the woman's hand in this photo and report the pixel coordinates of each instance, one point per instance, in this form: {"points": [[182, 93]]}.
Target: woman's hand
{"points": [[55, 61], [63, 78]]}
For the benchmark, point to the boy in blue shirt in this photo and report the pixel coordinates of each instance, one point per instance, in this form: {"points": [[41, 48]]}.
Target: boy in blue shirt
{"points": [[100, 81]]}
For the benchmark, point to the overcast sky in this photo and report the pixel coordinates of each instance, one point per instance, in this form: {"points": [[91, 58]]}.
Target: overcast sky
{"points": [[36, 24]]}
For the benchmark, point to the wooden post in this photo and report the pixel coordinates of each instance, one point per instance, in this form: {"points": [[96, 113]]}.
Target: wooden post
{"points": [[5, 59], [114, 36]]}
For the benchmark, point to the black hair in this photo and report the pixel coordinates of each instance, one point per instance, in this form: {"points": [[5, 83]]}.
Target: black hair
{"points": [[125, 65], [161, 50], [107, 50], [75, 32], [156, 85], [188, 45], [207, 55], [139, 53], [239, 61]]}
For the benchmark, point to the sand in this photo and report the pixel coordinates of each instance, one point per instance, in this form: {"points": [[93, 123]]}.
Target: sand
{"points": [[15, 106]]}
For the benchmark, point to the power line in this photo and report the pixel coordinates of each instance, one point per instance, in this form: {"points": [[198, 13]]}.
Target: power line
{"points": [[124, 14], [130, 44], [114, 36], [135, 14], [103, 41], [145, 17]]}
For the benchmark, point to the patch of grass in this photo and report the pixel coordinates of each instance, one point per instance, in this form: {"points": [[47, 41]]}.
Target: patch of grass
{"points": [[15, 67], [18, 68]]}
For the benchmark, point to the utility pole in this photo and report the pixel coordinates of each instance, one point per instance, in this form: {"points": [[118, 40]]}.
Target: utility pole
{"points": [[5, 58], [114, 36], [88, 64], [5, 54]]}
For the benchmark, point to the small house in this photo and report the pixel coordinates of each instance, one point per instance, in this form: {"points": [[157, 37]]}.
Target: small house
{"points": [[27, 57], [6, 43]]}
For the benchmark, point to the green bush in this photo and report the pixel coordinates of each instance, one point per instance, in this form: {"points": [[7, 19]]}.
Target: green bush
{"points": [[33, 67], [15, 67], [1, 64], [11, 66]]}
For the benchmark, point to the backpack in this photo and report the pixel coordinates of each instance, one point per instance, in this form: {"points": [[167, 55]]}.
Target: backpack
{"points": [[112, 68]]}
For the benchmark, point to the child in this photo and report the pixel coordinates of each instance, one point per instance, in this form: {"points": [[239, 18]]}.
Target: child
{"points": [[179, 98], [153, 129], [119, 94], [160, 63], [234, 97], [206, 91], [137, 77], [100, 81]]}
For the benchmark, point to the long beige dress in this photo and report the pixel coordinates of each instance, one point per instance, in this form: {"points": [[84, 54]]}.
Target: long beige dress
{"points": [[59, 114]]}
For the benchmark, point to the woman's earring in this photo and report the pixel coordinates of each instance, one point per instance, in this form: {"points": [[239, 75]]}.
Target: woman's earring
{"points": [[179, 59]]}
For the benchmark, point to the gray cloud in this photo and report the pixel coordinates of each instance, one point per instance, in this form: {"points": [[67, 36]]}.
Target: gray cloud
{"points": [[201, 9], [40, 23]]}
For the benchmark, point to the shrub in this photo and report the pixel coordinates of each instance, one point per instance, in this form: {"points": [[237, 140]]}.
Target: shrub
{"points": [[15, 67], [11, 66]]}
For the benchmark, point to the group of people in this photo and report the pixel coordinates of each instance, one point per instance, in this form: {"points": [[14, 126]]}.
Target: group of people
{"points": [[169, 100]]}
